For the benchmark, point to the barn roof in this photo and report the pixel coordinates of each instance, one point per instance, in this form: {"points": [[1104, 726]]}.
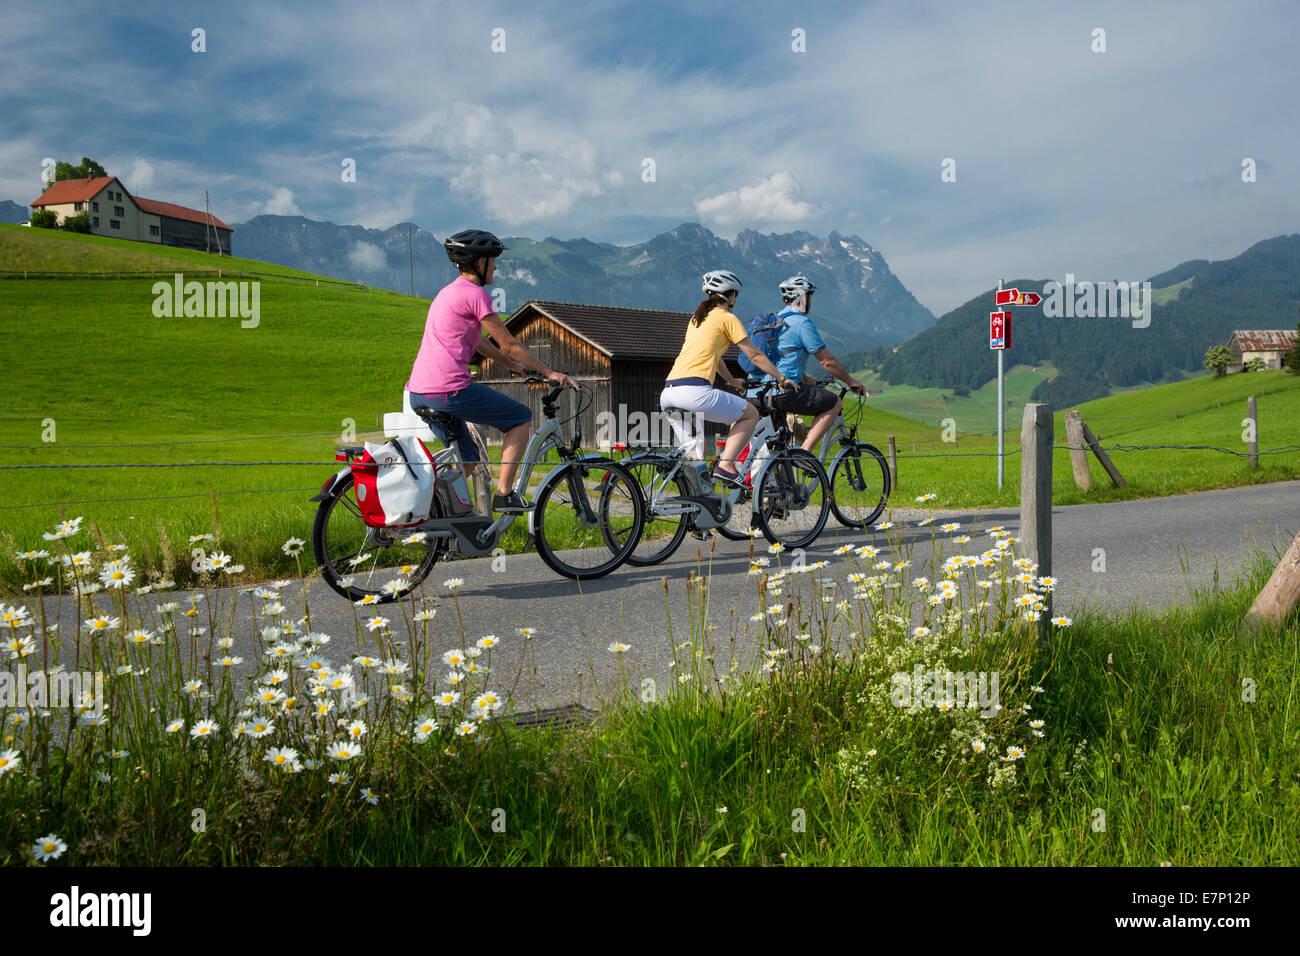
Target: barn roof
{"points": [[72, 190], [620, 333], [1264, 340]]}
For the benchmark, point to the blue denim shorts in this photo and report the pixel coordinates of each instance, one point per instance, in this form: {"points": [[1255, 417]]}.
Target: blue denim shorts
{"points": [[474, 403]]}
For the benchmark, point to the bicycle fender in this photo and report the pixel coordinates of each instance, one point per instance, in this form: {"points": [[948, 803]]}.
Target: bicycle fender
{"points": [[327, 489], [586, 456]]}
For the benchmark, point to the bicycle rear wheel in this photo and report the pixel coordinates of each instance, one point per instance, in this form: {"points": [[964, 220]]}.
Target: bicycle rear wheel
{"points": [[860, 484], [360, 561], [588, 518], [662, 532], [791, 498]]}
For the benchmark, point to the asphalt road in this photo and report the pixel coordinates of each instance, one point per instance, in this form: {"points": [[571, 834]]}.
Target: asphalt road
{"points": [[1156, 551]]}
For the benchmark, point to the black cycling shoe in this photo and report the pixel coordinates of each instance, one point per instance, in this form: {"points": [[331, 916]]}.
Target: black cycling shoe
{"points": [[510, 504], [734, 481]]}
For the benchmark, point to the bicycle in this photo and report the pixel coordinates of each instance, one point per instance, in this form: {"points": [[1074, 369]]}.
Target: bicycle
{"points": [[574, 537], [857, 497], [792, 498], [857, 500]]}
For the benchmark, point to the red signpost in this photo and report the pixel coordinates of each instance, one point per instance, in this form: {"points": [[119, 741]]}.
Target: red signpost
{"points": [[999, 330]]}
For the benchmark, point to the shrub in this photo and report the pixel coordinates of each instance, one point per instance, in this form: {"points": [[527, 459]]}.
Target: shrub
{"points": [[45, 219], [78, 223]]}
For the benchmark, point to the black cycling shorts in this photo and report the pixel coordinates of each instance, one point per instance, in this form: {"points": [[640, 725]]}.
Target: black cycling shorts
{"points": [[808, 400]]}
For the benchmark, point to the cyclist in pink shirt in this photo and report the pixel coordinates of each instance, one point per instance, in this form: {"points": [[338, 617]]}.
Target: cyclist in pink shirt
{"points": [[453, 334]]}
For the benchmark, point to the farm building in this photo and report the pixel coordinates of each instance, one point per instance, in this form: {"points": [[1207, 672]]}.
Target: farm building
{"points": [[114, 212], [1271, 345], [623, 354]]}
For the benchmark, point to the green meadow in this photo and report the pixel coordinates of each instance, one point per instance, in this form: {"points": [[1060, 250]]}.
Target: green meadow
{"points": [[97, 382]]}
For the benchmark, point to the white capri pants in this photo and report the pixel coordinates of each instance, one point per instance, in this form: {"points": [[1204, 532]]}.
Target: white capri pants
{"points": [[712, 404]]}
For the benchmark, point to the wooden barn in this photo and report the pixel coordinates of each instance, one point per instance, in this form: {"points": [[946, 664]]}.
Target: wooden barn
{"points": [[623, 354]]}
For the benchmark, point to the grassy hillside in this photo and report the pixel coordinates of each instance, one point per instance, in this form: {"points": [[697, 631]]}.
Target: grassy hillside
{"points": [[47, 250], [976, 413]]}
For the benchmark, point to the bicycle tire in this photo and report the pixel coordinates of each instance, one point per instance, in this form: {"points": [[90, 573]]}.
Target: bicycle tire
{"points": [[562, 530], [645, 469], [854, 464], [780, 494], [333, 547]]}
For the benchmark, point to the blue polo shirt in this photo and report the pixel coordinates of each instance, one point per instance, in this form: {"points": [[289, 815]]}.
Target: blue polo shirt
{"points": [[796, 343]]}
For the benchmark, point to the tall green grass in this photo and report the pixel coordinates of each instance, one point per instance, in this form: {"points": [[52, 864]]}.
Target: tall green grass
{"points": [[1165, 738]]}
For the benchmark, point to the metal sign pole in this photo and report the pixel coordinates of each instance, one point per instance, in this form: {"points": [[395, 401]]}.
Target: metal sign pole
{"points": [[1001, 412]]}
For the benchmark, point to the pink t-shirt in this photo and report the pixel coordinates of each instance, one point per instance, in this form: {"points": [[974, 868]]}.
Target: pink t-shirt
{"points": [[451, 336]]}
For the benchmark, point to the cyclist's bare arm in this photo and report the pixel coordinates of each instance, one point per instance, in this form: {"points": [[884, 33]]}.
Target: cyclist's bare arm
{"points": [[515, 351], [724, 373], [836, 368], [762, 362], [488, 350]]}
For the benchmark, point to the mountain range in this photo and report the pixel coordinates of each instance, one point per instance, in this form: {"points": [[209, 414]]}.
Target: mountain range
{"points": [[11, 212], [859, 303]]}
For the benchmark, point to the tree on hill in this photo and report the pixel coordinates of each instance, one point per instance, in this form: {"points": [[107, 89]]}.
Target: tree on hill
{"points": [[1291, 360], [89, 169], [1217, 359]]}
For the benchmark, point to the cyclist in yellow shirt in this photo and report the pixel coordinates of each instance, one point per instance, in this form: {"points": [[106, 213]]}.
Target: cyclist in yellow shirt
{"points": [[689, 387]]}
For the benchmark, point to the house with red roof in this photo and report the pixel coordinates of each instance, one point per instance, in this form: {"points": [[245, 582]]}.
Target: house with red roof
{"points": [[114, 212]]}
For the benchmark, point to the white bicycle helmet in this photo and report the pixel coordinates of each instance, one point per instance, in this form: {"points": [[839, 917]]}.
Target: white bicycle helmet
{"points": [[796, 286], [721, 281]]}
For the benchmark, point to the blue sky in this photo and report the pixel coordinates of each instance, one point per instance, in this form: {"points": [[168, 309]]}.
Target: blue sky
{"points": [[1112, 164]]}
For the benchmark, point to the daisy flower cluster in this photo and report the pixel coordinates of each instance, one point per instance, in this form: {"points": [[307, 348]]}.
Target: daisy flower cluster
{"points": [[286, 704]]}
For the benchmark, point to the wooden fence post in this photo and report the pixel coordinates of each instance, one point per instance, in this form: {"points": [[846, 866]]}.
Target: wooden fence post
{"points": [[1254, 431], [1078, 452], [1281, 594], [893, 463], [1036, 436], [1116, 478]]}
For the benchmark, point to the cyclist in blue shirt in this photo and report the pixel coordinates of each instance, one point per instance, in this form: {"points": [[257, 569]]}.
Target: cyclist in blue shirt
{"points": [[797, 341]]}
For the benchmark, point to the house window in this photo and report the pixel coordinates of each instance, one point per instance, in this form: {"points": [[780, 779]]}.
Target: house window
{"points": [[78, 206], [95, 206], [113, 223], [96, 222], [153, 230], [119, 211]]}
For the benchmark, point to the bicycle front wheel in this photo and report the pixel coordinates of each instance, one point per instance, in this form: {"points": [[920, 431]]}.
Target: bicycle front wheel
{"points": [[360, 561], [791, 500], [588, 518], [860, 485]]}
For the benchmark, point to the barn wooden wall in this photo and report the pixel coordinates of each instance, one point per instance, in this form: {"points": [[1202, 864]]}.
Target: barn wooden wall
{"points": [[559, 349]]}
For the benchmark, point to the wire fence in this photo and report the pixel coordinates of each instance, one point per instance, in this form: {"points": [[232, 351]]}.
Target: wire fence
{"points": [[187, 274]]}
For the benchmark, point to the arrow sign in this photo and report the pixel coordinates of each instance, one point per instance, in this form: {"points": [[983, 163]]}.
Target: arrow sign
{"points": [[999, 330], [1028, 298], [1006, 296]]}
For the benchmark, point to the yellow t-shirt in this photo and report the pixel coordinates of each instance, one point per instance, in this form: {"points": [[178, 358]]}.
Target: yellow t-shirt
{"points": [[705, 343]]}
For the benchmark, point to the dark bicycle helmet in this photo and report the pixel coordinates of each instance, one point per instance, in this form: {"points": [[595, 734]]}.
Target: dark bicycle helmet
{"points": [[470, 244]]}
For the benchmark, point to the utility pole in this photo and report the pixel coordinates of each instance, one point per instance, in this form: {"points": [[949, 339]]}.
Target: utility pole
{"points": [[410, 248]]}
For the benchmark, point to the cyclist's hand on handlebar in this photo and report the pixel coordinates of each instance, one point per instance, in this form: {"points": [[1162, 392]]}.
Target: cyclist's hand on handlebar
{"points": [[857, 388], [561, 380], [787, 384]]}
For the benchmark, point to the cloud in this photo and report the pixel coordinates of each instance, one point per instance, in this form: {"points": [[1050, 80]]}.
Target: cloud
{"points": [[139, 177], [366, 257], [281, 203], [772, 201], [516, 189]]}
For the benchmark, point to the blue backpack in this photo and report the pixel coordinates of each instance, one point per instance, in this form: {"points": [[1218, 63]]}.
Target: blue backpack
{"points": [[764, 331]]}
